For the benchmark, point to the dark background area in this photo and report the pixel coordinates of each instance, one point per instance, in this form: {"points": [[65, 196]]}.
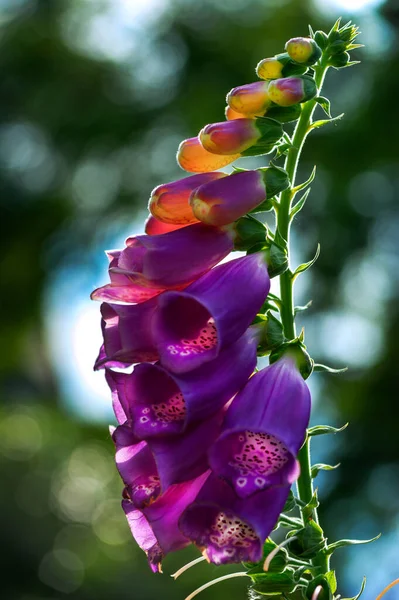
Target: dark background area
{"points": [[94, 99]]}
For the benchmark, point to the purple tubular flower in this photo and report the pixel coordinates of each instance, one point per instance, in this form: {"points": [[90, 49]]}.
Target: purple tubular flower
{"points": [[155, 528], [174, 258], [264, 429], [191, 327], [169, 201], [122, 289], [228, 529], [127, 333], [158, 402], [238, 135], [180, 458], [136, 465], [225, 200]]}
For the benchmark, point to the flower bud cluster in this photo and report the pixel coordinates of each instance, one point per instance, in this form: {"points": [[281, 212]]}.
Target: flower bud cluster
{"points": [[207, 447]]}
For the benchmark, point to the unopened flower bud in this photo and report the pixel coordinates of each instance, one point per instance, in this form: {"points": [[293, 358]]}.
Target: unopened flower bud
{"points": [[284, 114], [279, 66], [225, 200], [239, 136], [169, 202], [292, 90], [250, 99], [154, 227], [339, 60], [321, 39], [194, 158], [249, 234], [303, 50], [233, 114]]}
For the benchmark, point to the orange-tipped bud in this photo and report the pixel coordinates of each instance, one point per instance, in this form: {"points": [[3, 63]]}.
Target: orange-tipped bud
{"points": [[251, 99], [231, 114], [193, 157], [240, 135], [169, 201], [154, 227]]}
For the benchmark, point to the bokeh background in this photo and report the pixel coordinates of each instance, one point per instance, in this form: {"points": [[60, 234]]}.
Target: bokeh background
{"points": [[95, 96]]}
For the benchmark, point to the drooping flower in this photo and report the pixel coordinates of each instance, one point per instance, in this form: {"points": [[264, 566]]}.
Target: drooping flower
{"points": [[155, 528], [136, 465], [193, 157], [238, 136], [250, 99], [127, 334], [303, 50], [224, 201], [154, 227], [191, 327], [169, 201], [264, 429], [228, 529], [150, 264], [291, 90], [157, 402]]}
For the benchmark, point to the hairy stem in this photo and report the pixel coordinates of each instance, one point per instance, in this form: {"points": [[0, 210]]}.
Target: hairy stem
{"points": [[304, 484]]}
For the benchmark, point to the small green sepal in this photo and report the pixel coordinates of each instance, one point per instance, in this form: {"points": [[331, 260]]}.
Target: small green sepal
{"points": [[275, 179], [323, 122], [274, 583], [297, 350], [271, 334], [299, 309], [285, 114], [325, 104], [325, 429], [328, 583], [309, 540], [276, 258], [249, 232], [277, 564]]}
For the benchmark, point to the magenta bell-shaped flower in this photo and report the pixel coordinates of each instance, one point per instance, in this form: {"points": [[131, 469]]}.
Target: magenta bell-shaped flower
{"points": [[136, 465], [228, 529], [127, 333], [149, 467], [224, 201], [158, 402], [152, 263], [264, 429], [191, 327], [155, 528]]}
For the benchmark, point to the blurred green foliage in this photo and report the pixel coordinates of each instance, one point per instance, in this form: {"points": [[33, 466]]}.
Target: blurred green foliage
{"points": [[84, 136]]}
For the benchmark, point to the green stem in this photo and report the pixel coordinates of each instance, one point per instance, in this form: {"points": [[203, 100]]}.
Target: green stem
{"points": [[304, 484]]}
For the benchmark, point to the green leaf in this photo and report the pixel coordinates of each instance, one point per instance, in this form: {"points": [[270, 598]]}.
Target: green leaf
{"points": [[322, 467], [299, 309], [283, 149], [305, 266], [325, 104], [325, 369], [360, 591], [300, 204], [306, 183], [324, 429], [274, 583], [343, 543], [323, 122]]}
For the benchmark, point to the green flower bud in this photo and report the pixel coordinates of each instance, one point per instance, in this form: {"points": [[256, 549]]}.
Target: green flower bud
{"points": [[321, 39], [302, 50], [339, 60], [271, 333]]}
